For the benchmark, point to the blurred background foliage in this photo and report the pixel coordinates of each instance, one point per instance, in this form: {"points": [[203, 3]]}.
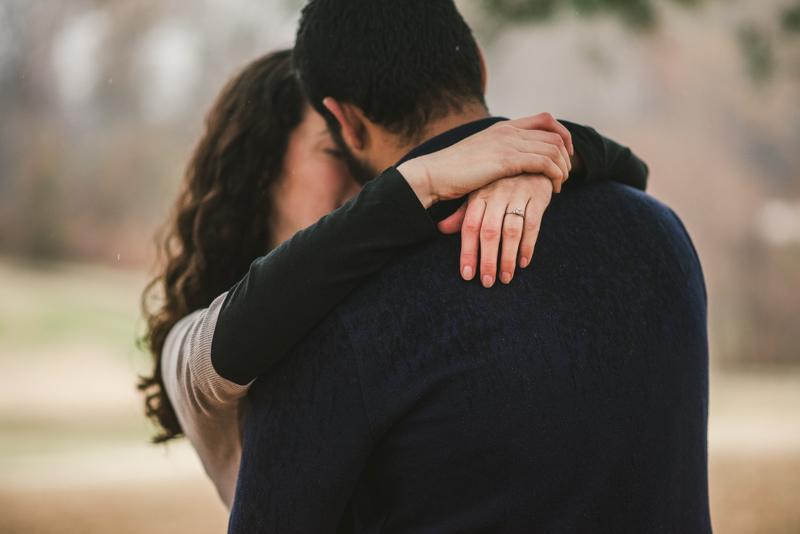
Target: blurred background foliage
{"points": [[757, 41], [101, 102], [637, 14]]}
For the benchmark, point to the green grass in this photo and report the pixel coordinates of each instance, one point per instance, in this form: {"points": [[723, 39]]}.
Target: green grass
{"points": [[27, 437], [46, 306], [76, 324]]}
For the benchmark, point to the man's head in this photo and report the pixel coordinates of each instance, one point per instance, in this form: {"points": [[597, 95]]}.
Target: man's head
{"points": [[397, 64]]}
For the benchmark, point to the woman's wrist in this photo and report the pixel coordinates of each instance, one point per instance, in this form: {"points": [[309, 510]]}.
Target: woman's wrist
{"points": [[418, 177]]}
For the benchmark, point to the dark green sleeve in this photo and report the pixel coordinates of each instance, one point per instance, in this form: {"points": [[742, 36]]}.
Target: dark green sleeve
{"points": [[603, 159], [288, 291]]}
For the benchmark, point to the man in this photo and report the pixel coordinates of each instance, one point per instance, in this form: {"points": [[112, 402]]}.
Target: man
{"points": [[572, 400]]}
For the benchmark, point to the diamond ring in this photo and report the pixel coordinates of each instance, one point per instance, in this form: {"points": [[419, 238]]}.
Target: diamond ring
{"points": [[517, 211]]}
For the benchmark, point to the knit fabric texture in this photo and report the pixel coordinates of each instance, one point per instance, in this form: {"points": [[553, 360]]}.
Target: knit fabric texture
{"points": [[572, 400]]}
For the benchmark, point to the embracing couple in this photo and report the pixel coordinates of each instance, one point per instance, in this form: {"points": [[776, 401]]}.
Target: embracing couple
{"points": [[354, 330]]}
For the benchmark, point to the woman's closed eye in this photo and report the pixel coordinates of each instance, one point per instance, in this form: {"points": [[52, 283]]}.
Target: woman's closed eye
{"points": [[334, 152]]}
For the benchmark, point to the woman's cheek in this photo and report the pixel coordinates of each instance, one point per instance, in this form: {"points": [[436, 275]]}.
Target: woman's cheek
{"points": [[324, 186], [333, 177]]}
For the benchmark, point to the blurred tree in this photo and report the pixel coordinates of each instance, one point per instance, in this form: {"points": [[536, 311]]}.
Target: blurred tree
{"points": [[761, 44], [44, 211], [759, 53], [758, 43], [791, 19], [637, 14], [100, 102]]}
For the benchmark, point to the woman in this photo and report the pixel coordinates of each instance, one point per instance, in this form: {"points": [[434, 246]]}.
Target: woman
{"points": [[267, 168]]}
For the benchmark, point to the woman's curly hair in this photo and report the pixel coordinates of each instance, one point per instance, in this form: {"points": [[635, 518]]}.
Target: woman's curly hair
{"points": [[221, 220]]}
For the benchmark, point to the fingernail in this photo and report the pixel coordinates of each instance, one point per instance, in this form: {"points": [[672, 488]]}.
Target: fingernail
{"points": [[505, 277], [467, 273], [487, 281], [523, 262]]}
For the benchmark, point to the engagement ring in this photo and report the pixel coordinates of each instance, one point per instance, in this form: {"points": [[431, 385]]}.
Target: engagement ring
{"points": [[517, 211]]}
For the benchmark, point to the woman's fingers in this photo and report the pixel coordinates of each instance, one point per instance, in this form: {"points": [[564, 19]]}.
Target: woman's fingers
{"points": [[513, 222], [492, 220], [545, 159], [536, 152], [491, 232], [504, 150], [453, 224], [534, 211], [552, 133], [565, 154], [545, 121], [470, 236], [549, 138]]}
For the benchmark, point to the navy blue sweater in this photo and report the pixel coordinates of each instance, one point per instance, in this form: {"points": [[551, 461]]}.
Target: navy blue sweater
{"points": [[572, 400]]}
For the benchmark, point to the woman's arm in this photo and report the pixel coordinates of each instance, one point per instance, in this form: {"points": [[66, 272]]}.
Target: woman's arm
{"points": [[212, 356], [281, 298], [603, 159], [209, 408], [287, 292]]}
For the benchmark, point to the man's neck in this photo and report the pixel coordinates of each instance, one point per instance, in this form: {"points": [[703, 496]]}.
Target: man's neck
{"points": [[395, 151]]}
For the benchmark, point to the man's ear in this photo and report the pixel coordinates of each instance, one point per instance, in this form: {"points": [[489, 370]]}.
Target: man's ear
{"points": [[484, 76], [351, 121]]}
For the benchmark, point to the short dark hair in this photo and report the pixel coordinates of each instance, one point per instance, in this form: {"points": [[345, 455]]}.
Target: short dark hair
{"points": [[403, 62]]}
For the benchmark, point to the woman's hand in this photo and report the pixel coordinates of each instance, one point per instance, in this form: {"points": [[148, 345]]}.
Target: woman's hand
{"points": [[533, 145], [487, 219]]}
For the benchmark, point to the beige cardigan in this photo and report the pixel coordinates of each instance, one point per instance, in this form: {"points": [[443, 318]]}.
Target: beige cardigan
{"points": [[210, 409]]}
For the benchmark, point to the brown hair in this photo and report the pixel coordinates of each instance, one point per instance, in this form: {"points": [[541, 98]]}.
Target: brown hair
{"points": [[220, 222]]}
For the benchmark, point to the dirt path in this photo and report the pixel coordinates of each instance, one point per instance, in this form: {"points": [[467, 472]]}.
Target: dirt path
{"points": [[100, 476]]}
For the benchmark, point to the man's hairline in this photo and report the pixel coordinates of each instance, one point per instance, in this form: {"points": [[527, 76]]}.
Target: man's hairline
{"points": [[454, 104]]}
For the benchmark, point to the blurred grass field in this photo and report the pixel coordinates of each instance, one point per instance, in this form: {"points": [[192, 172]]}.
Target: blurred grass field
{"points": [[74, 451]]}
